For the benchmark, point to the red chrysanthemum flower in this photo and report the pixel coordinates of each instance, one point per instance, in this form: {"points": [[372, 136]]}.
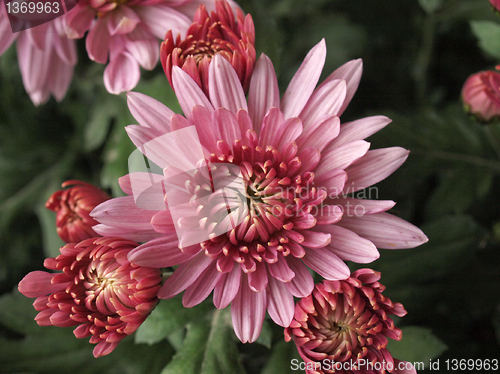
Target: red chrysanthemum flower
{"points": [[218, 33], [481, 95], [73, 207], [343, 326], [98, 289]]}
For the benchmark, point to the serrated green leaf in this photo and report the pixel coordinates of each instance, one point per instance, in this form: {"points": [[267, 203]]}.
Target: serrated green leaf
{"points": [[417, 345], [208, 348], [488, 33], [430, 6]]}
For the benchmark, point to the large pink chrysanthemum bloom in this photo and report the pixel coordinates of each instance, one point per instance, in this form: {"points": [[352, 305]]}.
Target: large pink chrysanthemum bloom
{"points": [[73, 206], [218, 32], [481, 95], [296, 163], [98, 289], [46, 57], [343, 326], [127, 32]]}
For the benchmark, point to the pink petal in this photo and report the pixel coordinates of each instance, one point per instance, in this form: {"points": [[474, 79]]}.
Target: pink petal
{"points": [[227, 288], [248, 310], [202, 120], [358, 130], [272, 128], [349, 246], [328, 215], [332, 182], [104, 348], [280, 305], [226, 126], [341, 157], [385, 230], [160, 18], [97, 41], [313, 239], [258, 279], [375, 166], [403, 367], [326, 100], [160, 253], [150, 143], [280, 270], [79, 20], [149, 112], [7, 37], [135, 235], [350, 72], [122, 20], [224, 86], [33, 63], [302, 283], [303, 82], [310, 158], [66, 49], [38, 283], [144, 47], [327, 264], [38, 35], [293, 128], [188, 92], [184, 275], [359, 207], [139, 181], [320, 133], [122, 73], [202, 287], [264, 93], [123, 212], [60, 77]]}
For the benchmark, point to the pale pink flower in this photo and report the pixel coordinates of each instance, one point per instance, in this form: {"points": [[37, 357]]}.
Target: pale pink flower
{"points": [[98, 289], [296, 162], [46, 57], [345, 324], [481, 95], [218, 32], [73, 206], [126, 33]]}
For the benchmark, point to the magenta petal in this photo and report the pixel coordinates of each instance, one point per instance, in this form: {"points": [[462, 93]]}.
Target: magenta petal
{"points": [[375, 166], [224, 86], [280, 270], [304, 81], [160, 18], [320, 133], [326, 263], [385, 230], [97, 41], [227, 127], [79, 21], [149, 112], [248, 310], [227, 288], [159, 253], [104, 348], [184, 276], [313, 239], [122, 73], [280, 305], [293, 129], [122, 20], [135, 235], [332, 182], [145, 48], [341, 157], [123, 212], [359, 130], [302, 283], [38, 283], [188, 92], [202, 287], [350, 246], [258, 279], [264, 93], [273, 126]]}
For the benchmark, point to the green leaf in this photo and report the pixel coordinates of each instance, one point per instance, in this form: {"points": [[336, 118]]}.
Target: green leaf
{"points": [[168, 317], [51, 240], [417, 345], [283, 360], [266, 335], [488, 33], [430, 6], [98, 126], [208, 348]]}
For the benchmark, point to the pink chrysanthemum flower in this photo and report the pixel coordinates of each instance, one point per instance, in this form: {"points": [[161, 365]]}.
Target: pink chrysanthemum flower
{"points": [[296, 162], [343, 326], [208, 35], [73, 207], [481, 95], [98, 289], [46, 57], [127, 32]]}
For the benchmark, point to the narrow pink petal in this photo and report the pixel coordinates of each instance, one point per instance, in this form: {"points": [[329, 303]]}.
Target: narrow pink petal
{"points": [[202, 287], [358, 130], [65, 48], [139, 181], [258, 279], [122, 20], [375, 166], [123, 212], [160, 253], [224, 86], [320, 132], [227, 288], [293, 129], [313, 239], [329, 214], [202, 120], [273, 127], [310, 158], [188, 92], [7, 37], [403, 367], [341, 157], [326, 100], [302, 283], [38, 283], [248, 310], [304, 81], [149, 112], [122, 73], [104, 348], [350, 72], [226, 126], [280, 270], [332, 182], [60, 77], [79, 20], [135, 235], [385, 230], [33, 63], [160, 18], [280, 305], [97, 41], [349, 246], [327, 264], [359, 207], [38, 35], [184, 276], [144, 47], [264, 92]]}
